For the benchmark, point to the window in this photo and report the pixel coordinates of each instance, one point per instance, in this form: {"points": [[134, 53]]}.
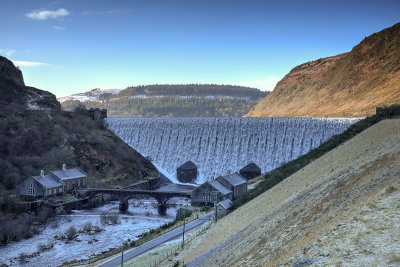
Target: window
{"points": [[83, 181], [219, 209], [79, 183], [31, 190], [207, 198]]}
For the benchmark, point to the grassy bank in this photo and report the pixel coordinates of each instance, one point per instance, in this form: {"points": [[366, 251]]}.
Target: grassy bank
{"points": [[276, 176]]}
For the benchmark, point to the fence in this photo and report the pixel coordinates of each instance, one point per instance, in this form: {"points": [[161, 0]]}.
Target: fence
{"points": [[156, 258]]}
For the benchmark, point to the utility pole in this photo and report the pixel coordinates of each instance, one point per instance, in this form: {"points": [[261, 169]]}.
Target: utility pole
{"points": [[215, 204], [122, 257], [183, 232]]}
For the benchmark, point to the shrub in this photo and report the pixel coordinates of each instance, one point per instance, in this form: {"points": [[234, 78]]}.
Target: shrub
{"points": [[22, 258], [43, 247], [71, 233], [87, 227], [205, 209], [107, 218]]}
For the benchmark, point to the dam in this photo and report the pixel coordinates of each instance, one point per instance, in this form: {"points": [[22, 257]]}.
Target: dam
{"points": [[219, 146]]}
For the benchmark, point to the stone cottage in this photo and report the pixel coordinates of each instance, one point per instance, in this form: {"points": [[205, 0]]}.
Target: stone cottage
{"points": [[209, 193], [41, 186], [235, 183], [53, 183], [71, 178], [187, 172], [224, 207], [250, 171]]}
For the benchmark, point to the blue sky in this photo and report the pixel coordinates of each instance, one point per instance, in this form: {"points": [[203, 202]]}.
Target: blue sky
{"points": [[72, 46]]}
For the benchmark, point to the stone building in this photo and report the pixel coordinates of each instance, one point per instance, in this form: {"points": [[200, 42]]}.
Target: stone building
{"points": [[209, 193], [53, 183], [71, 178], [97, 114], [250, 171], [235, 183], [187, 172], [41, 186], [224, 207]]}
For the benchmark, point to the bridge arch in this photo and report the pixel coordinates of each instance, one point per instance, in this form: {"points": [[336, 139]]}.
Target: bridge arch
{"points": [[123, 195]]}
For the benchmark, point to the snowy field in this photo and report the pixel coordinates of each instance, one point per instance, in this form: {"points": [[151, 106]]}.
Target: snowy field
{"points": [[141, 217]]}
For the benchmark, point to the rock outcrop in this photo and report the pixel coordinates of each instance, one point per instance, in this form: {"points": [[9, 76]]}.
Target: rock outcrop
{"points": [[9, 71], [13, 90]]}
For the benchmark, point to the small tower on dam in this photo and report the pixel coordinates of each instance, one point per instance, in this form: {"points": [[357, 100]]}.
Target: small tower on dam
{"points": [[187, 172], [250, 171]]}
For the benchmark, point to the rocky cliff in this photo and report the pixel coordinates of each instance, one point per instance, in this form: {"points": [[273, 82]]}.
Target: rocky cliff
{"points": [[346, 85], [10, 72], [13, 90], [35, 134]]}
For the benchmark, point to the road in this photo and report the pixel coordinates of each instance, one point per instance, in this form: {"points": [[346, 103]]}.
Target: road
{"points": [[155, 242]]}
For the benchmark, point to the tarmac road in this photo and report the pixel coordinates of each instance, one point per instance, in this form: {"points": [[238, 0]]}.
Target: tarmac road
{"points": [[155, 242]]}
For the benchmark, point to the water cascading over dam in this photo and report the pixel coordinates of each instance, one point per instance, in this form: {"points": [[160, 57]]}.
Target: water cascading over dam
{"points": [[219, 146]]}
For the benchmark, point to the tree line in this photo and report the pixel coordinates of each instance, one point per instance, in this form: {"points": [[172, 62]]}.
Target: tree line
{"points": [[171, 106]]}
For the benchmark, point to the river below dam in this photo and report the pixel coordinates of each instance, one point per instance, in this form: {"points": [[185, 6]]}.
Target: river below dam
{"points": [[141, 216], [219, 146]]}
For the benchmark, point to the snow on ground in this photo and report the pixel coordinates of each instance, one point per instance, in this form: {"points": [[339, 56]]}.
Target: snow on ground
{"points": [[81, 98], [141, 217]]}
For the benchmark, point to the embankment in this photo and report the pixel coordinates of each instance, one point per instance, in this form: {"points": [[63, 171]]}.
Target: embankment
{"points": [[322, 214]]}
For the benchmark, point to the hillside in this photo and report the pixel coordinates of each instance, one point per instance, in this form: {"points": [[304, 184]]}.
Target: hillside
{"points": [[346, 85], [189, 100], [341, 209], [35, 134]]}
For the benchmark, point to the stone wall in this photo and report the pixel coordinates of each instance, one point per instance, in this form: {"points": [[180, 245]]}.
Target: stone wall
{"points": [[150, 184]]}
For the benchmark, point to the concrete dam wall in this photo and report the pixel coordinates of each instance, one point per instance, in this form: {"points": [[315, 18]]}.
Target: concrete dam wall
{"points": [[219, 146]]}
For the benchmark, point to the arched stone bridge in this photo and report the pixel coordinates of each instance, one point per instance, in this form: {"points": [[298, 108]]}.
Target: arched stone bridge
{"points": [[124, 195]]}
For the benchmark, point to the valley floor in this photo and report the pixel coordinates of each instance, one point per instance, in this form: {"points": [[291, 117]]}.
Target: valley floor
{"points": [[342, 209], [141, 216]]}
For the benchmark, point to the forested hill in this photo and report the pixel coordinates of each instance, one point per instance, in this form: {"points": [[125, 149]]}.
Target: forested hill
{"points": [[194, 90], [186, 100]]}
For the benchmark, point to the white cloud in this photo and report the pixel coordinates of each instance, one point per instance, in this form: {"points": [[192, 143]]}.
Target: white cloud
{"points": [[47, 14], [28, 63], [59, 28], [7, 52], [266, 84]]}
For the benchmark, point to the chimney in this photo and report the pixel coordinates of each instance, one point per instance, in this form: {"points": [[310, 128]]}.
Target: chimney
{"points": [[41, 172], [64, 167]]}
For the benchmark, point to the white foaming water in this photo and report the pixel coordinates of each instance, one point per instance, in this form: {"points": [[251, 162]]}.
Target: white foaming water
{"points": [[219, 146]]}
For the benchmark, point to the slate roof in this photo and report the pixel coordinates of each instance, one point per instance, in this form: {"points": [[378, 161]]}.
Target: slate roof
{"points": [[251, 167], [68, 174], [48, 181], [227, 203], [217, 185], [188, 165], [235, 179]]}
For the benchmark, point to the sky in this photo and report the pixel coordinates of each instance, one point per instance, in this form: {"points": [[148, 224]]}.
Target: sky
{"points": [[72, 46]]}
